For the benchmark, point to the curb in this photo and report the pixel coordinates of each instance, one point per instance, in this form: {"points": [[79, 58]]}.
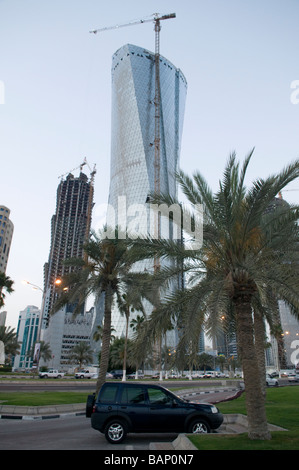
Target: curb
{"points": [[41, 412]]}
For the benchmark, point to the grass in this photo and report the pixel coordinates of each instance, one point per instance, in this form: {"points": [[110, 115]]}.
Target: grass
{"points": [[42, 398], [282, 409]]}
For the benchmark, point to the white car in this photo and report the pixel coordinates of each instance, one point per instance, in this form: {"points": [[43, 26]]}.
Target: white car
{"points": [[271, 381], [293, 377]]}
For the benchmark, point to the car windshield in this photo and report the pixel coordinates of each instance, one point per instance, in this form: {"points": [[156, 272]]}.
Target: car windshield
{"points": [[176, 397]]}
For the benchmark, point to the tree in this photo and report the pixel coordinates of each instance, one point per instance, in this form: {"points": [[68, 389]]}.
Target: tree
{"points": [[9, 337], [98, 334], [104, 270], [248, 254], [127, 303], [44, 351], [81, 353], [5, 283], [205, 361]]}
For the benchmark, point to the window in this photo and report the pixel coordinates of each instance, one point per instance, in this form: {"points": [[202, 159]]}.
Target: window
{"points": [[158, 397], [108, 395], [132, 396]]}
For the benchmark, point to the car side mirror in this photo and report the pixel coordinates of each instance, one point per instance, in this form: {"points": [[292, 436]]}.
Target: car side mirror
{"points": [[174, 403]]}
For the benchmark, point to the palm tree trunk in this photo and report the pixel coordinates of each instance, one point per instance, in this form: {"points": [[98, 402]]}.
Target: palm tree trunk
{"points": [[126, 345], [260, 339], [255, 403], [106, 338]]}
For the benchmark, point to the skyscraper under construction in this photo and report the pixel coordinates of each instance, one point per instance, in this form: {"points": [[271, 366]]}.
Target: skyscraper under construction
{"points": [[70, 227]]}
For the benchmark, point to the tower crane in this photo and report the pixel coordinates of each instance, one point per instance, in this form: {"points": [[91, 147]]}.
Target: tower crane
{"points": [[80, 166], [157, 19]]}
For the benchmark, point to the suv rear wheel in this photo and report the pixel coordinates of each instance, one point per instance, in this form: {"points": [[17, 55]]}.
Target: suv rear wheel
{"points": [[116, 431], [199, 426]]}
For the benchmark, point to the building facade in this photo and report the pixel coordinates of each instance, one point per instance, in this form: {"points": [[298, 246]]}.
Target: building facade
{"points": [[6, 233], [133, 158], [27, 331], [70, 228]]}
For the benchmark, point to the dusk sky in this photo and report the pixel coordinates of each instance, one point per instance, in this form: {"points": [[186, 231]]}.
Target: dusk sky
{"points": [[240, 59]]}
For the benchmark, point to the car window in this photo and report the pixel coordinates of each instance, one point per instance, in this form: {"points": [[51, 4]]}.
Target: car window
{"points": [[132, 395], [108, 394], [159, 397]]}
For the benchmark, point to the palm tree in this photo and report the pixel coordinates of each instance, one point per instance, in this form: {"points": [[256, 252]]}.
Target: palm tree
{"points": [[45, 352], [9, 338], [248, 254], [98, 334], [205, 361], [81, 353], [118, 350], [136, 323], [5, 283], [105, 270], [127, 303]]}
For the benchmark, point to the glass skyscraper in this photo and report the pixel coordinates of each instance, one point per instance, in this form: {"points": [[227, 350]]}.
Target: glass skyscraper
{"points": [[132, 170]]}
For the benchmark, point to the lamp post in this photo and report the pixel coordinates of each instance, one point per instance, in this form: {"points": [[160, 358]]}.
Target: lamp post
{"points": [[34, 286]]}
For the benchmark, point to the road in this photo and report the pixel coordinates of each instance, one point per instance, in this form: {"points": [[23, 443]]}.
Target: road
{"points": [[67, 433]]}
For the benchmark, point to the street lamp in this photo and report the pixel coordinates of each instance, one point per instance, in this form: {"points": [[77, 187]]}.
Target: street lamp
{"points": [[35, 287]]}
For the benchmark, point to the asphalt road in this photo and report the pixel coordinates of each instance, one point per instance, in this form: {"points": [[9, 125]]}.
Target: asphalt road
{"points": [[67, 433]]}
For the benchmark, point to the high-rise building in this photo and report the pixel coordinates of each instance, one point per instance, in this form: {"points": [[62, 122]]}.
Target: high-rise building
{"points": [[27, 331], [6, 232], [70, 228], [133, 138]]}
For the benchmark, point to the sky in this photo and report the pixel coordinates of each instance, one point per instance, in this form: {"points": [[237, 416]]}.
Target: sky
{"points": [[240, 59]]}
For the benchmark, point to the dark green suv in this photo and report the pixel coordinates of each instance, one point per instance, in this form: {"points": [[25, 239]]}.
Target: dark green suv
{"points": [[121, 408]]}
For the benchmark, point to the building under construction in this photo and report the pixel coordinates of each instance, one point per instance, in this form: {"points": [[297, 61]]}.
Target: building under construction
{"points": [[70, 227]]}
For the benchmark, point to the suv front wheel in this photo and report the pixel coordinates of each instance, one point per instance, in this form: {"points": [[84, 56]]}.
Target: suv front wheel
{"points": [[199, 426], [115, 431]]}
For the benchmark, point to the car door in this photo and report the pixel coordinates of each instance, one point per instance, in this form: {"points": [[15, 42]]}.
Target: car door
{"points": [[166, 413], [134, 405]]}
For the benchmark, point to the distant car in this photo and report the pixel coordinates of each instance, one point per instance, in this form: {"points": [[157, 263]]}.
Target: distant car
{"points": [[271, 381], [293, 377], [155, 376], [122, 407], [85, 374], [116, 374], [274, 374], [133, 376]]}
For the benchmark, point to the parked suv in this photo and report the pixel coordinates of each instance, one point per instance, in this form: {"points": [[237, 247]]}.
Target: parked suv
{"points": [[116, 374], [121, 408]]}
